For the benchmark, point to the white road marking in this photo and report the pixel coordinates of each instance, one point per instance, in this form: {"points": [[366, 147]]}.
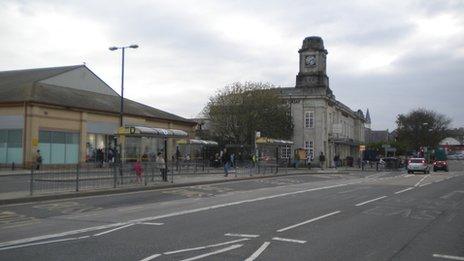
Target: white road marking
{"points": [[205, 247], [404, 190], [418, 183], [307, 221], [447, 196], [73, 232], [369, 201], [232, 247], [184, 212], [240, 235], [151, 223], [39, 243], [289, 240], [258, 251], [425, 184], [112, 230], [150, 257], [448, 257]]}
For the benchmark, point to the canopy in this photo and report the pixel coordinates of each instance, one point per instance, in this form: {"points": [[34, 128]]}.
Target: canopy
{"points": [[197, 142], [269, 141], [141, 131]]}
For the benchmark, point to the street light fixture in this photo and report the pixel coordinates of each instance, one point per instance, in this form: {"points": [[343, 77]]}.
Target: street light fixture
{"points": [[123, 48]]}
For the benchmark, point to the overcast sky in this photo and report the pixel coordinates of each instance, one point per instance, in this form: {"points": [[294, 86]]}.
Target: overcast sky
{"points": [[388, 56]]}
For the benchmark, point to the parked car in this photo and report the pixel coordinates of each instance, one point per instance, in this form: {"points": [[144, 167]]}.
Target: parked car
{"points": [[418, 164], [440, 165]]}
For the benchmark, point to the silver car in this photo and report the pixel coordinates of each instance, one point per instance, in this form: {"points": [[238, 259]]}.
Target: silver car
{"points": [[418, 164]]}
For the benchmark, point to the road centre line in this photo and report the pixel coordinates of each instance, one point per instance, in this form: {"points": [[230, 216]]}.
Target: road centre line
{"points": [[289, 240], [151, 257], [240, 235], [308, 221], [151, 223], [205, 247], [232, 247], [369, 201], [404, 190], [179, 213], [418, 183], [448, 257], [112, 230], [258, 251]]}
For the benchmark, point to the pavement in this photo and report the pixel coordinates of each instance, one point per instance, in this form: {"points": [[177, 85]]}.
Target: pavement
{"points": [[352, 216]]}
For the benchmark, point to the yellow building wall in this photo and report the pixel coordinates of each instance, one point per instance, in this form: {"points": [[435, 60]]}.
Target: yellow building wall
{"points": [[42, 117]]}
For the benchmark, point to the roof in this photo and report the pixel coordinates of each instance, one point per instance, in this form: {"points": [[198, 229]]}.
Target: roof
{"points": [[450, 141], [28, 86]]}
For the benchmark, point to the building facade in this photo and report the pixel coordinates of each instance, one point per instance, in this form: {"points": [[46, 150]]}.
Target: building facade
{"points": [[69, 114], [322, 124]]}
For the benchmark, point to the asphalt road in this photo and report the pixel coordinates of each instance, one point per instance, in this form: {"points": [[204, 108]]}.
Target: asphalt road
{"points": [[358, 216]]}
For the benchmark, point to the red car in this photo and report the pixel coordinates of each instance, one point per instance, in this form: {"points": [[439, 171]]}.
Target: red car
{"points": [[440, 165]]}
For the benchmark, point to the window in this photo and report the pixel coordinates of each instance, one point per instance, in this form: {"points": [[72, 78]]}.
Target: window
{"points": [[11, 146], [309, 119], [309, 146], [58, 147], [285, 152]]}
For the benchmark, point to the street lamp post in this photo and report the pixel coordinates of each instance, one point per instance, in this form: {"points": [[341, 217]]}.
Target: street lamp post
{"points": [[123, 48], [121, 111]]}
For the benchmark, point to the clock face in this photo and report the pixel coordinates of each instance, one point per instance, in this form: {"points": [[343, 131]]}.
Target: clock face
{"points": [[310, 60]]}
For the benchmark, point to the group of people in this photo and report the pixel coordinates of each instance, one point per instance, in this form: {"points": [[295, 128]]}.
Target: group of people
{"points": [[228, 161], [161, 164]]}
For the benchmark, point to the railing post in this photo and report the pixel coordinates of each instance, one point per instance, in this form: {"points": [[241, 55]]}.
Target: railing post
{"points": [[77, 177], [31, 184], [115, 176]]}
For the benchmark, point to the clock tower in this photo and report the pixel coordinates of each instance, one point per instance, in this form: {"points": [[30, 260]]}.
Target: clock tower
{"points": [[312, 73]]}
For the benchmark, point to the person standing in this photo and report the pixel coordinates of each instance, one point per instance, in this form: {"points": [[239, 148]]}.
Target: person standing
{"points": [[162, 166], [138, 171], [226, 162], [38, 160], [336, 160], [322, 159]]}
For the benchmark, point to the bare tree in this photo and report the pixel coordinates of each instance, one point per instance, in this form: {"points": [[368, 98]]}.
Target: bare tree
{"points": [[239, 110]]}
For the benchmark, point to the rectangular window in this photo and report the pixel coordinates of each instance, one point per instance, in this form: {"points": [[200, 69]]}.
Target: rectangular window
{"points": [[58, 147], [309, 146], [309, 119], [11, 146], [285, 152]]}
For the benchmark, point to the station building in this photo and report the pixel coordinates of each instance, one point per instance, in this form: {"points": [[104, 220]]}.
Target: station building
{"points": [[68, 113]]}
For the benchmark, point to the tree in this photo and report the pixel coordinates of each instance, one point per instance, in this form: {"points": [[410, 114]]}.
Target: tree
{"points": [[422, 127], [239, 110]]}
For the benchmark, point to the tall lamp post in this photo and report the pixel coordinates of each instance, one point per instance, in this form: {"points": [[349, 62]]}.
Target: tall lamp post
{"points": [[123, 48]]}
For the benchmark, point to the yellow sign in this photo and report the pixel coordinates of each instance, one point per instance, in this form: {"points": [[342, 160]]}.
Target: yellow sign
{"points": [[126, 130], [35, 142]]}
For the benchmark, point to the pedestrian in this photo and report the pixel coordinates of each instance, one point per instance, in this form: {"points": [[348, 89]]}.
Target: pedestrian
{"points": [[336, 160], [322, 159], [226, 162], [162, 166], [38, 160], [138, 171]]}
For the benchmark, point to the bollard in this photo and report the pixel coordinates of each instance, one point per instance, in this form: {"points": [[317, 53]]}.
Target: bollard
{"points": [[115, 176], [12, 166]]}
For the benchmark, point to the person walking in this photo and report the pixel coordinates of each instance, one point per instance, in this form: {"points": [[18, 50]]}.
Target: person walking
{"points": [[322, 159], [226, 162], [162, 166], [38, 160], [336, 160]]}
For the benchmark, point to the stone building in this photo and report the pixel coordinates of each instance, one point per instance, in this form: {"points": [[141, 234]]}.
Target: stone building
{"points": [[68, 113], [322, 124]]}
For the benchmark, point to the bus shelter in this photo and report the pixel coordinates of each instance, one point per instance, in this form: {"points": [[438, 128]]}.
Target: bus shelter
{"points": [[196, 151], [273, 152], [144, 143]]}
